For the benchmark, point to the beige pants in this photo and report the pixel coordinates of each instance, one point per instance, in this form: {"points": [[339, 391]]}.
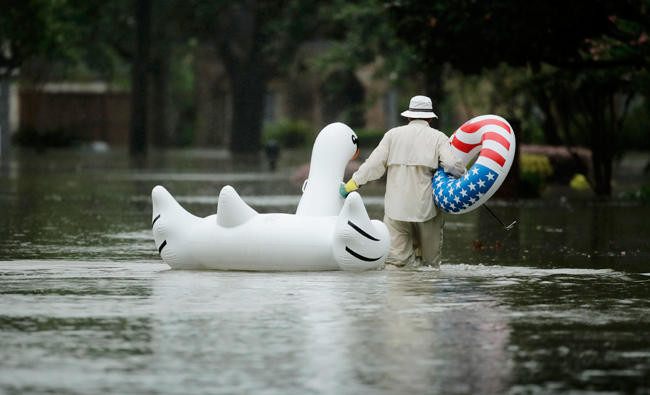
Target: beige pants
{"points": [[415, 243]]}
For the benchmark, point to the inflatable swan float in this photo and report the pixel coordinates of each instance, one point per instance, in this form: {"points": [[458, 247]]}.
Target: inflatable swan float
{"points": [[326, 233]]}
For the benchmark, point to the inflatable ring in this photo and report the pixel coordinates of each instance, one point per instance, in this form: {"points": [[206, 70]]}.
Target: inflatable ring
{"points": [[492, 140]]}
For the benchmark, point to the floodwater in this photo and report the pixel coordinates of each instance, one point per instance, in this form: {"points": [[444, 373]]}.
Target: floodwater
{"points": [[559, 304]]}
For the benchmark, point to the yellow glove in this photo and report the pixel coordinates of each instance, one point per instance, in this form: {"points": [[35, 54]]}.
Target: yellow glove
{"points": [[345, 190]]}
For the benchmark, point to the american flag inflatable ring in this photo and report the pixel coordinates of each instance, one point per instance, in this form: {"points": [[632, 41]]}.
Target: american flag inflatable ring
{"points": [[492, 140]]}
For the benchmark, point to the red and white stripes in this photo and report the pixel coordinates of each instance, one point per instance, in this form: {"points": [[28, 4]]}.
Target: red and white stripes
{"points": [[491, 141], [488, 136]]}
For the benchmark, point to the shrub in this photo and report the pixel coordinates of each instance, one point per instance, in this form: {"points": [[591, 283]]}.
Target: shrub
{"points": [[642, 194], [533, 172], [50, 138], [290, 134]]}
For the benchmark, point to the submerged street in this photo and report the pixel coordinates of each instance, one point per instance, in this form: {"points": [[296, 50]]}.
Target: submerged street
{"points": [[559, 303]]}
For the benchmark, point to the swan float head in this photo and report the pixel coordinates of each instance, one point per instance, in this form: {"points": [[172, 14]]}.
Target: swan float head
{"points": [[335, 146]]}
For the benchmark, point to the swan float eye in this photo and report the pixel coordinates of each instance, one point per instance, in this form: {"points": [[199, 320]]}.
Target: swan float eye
{"points": [[355, 141]]}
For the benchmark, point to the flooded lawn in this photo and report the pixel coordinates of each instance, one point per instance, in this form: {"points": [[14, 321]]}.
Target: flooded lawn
{"points": [[559, 304]]}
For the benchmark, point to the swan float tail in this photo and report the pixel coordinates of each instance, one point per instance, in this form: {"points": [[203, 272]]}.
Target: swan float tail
{"points": [[170, 222], [359, 242], [231, 209]]}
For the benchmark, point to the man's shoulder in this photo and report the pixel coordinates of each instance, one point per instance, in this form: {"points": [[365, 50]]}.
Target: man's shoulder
{"points": [[408, 127], [433, 132], [395, 133], [411, 128], [398, 128], [438, 133]]}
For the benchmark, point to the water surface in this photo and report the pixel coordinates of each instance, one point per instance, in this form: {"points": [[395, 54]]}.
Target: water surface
{"points": [[560, 304]]}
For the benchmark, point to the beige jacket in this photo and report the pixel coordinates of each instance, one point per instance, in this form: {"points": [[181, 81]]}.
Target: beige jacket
{"points": [[411, 153]]}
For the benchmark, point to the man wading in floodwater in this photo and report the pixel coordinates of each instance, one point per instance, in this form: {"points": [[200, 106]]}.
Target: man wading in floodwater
{"points": [[411, 153]]}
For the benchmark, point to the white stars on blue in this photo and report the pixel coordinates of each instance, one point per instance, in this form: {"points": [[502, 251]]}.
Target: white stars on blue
{"points": [[452, 194]]}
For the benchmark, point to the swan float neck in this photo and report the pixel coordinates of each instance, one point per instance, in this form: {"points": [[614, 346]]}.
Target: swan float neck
{"points": [[335, 145]]}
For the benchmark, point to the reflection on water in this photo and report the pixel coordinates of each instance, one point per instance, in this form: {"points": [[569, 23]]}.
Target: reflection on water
{"points": [[86, 306], [123, 327]]}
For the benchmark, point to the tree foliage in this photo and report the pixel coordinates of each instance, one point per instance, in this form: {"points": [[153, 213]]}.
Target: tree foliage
{"points": [[29, 28], [580, 63], [256, 41], [473, 35], [586, 57]]}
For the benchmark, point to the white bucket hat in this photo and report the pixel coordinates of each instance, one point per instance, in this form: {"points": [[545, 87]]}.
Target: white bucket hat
{"points": [[420, 107]]}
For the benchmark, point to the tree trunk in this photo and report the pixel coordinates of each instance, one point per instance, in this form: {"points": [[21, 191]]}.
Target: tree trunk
{"points": [[212, 122], [248, 98], [602, 165], [434, 89], [139, 83], [601, 140], [160, 103], [4, 115], [602, 147], [549, 126]]}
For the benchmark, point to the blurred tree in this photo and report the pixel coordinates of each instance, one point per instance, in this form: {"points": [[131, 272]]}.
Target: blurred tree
{"points": [[147, 36], [256, 41], [121, 27], [27, 28], [583, 91], [74, 32], [473, 35], [140, 78], [362, 34]]}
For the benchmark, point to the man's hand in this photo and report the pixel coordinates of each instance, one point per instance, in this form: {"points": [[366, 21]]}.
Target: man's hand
{"points": [[345, 190]]}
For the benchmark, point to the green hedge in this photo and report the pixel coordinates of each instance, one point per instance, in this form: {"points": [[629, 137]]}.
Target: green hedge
{"points": [[289, 134], [48, 138], [533, 172], [301, 134]]}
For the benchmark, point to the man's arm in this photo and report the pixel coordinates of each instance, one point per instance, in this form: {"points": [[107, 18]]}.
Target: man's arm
{"points": [[448, 160], [373, 168]]}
